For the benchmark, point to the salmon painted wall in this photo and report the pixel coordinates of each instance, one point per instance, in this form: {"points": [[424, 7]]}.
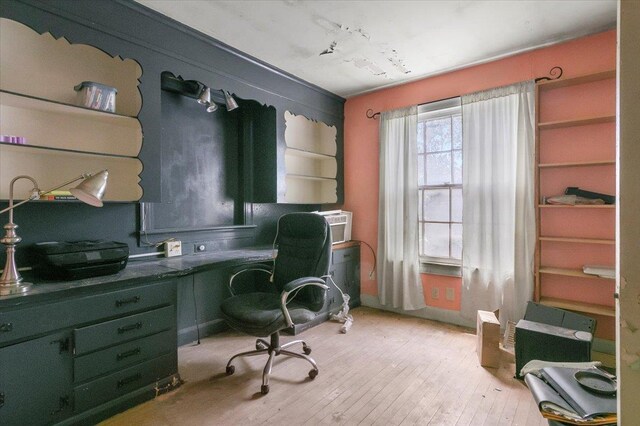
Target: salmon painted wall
{"points": [[582, 56]]}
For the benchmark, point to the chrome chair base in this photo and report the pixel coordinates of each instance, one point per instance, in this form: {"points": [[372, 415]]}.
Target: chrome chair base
{"points": [[274, 349]]}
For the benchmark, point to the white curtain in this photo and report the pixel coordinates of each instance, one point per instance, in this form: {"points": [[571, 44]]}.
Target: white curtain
{"points": [[399, 284], [498, 197]]}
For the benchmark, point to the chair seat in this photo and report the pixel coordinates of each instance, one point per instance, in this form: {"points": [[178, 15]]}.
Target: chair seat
{"points": [[259, 314]]}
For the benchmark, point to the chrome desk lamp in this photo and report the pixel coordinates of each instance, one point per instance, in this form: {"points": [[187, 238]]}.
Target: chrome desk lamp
{"points": [[90, 191]]}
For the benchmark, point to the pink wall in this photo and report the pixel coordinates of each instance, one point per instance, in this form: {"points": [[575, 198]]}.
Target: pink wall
{"points": [[583, 56]]}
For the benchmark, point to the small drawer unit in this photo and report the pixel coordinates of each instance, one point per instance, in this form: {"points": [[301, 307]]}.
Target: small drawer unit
{"points": [[21, 323], [89, 366], [114, 385], [120, 330]]}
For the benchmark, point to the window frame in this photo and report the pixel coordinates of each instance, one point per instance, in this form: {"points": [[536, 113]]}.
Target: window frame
{"points": [[429, 264]]}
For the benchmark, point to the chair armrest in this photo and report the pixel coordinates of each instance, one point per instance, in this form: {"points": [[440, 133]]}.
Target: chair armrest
{"points": [[233, 277], [294, 286]]}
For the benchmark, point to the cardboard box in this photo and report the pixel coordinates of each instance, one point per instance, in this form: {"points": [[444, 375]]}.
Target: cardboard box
{"points": [[488, 346]]}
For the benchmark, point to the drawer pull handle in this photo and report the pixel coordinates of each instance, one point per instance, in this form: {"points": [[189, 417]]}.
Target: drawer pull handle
{"points": [[121, 302], [131, 327], [7, 326], [129, 379], [127, 354]]}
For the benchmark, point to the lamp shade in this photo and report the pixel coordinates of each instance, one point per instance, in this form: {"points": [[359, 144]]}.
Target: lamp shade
{"points": [[229, 101], [91, 190], [205, 96]]}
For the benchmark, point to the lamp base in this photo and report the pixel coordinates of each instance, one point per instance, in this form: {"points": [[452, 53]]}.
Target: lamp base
{"points": [[19, 288]]}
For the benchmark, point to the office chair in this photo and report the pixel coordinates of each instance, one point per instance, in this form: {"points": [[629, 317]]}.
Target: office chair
{"points": [[303, 242]]}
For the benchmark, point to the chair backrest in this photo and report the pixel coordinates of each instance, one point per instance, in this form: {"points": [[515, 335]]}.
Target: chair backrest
{"points": [[304, 250]]}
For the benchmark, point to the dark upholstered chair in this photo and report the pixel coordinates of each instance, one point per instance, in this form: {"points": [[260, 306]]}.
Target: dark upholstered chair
{"points": [[303, 242]]}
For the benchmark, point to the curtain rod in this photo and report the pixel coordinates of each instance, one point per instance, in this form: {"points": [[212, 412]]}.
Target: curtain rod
{"points": [[552, 72]]}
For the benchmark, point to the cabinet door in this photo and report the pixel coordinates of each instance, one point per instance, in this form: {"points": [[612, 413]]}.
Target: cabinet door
{"points": [[35, 381]]}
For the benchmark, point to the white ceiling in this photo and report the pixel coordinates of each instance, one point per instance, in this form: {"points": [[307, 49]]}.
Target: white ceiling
{"points": [[350, 47]]}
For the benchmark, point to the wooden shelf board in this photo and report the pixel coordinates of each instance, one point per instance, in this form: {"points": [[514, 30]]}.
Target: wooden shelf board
{"points": [[578, 240], [75, 151], [576, 122], [18, 100], [571, 305], [305, 177], [308, 154], [569, 273], [580, 206], [583, 79], [577, 164]]}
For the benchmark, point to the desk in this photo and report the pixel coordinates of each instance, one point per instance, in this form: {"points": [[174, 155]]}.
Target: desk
{"points": [[104, 344]]}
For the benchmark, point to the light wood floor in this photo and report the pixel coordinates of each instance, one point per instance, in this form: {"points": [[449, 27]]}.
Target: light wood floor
{"points": [[388, 370]]}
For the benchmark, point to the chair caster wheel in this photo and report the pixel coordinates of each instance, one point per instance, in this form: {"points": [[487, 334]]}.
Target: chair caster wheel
{"points": [[264, 389], [260, 346], [306, 350], [230, 370], [313, 374]]}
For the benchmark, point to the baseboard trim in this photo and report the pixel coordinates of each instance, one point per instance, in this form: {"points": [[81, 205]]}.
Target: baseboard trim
{"points": [[430, 313]]}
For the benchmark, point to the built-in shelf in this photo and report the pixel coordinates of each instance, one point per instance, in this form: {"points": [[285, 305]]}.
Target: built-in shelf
{"points": [[587, 100], [571, 305], [311, 167], [63, 139], [577, 164], [576, 122], [577, 206], [583, 79], [578, 240], [569, 273]]}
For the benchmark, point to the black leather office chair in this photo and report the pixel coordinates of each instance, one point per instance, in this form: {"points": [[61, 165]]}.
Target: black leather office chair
{"points": [[304, 253]]}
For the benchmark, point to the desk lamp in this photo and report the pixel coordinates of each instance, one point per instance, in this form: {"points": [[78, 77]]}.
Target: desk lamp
{"points": [[90, 191]]}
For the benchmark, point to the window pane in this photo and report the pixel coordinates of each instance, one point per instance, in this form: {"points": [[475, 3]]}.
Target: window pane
{"points": [[456, 205], [457, 167], [420, 205], [436, 205], [439, 168], [437, 239], [439, 135], [420, 137], [456, 241], [421, 176], [457, 131], [422, 244]]}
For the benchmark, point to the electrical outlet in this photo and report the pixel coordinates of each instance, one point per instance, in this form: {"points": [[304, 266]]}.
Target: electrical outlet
{"points": [[435, 293], [450, 294], [172, 248]]}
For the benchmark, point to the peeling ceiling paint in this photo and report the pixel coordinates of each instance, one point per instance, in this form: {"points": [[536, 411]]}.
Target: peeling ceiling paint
{"points": [[350, 47]]}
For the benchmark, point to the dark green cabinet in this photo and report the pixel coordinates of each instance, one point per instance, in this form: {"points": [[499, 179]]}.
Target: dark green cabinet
{"points": [[36, 380], [86, 357]]}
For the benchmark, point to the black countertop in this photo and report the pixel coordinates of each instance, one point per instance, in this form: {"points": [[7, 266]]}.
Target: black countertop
{"points": [[136, 271]]}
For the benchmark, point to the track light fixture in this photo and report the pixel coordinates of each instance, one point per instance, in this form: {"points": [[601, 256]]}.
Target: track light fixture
{"points": [[199, 91]]}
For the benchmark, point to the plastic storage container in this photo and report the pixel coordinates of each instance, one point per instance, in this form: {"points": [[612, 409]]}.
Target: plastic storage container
{"points": [[96, 96]]}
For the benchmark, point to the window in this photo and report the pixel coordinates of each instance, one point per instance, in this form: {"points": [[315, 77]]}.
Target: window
{"points": [[440, 182]]}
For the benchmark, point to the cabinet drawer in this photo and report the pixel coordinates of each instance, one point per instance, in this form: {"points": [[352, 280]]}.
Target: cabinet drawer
{"points": [[120, 330], [124, 355], [124, 381], [21, 323], [346, 255]]}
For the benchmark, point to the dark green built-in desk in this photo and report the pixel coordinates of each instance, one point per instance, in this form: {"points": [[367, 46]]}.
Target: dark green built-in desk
{"points": [[76, 352]]}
